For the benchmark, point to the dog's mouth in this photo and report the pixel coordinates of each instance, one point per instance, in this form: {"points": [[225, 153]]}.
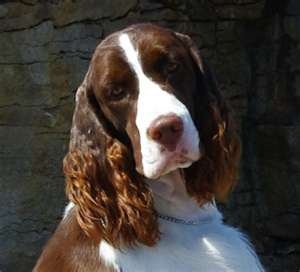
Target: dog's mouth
{"points": [[168, 161]]}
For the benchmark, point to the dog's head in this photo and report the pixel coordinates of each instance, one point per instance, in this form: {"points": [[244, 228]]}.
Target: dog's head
{"points": [[148, 105]]}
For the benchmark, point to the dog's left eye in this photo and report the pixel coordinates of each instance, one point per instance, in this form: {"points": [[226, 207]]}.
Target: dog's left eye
{"points": [[166, 65], [172, 67]]}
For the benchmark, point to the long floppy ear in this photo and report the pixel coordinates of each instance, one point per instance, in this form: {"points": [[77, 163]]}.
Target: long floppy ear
{"points": [[216, 172], [112, 201]]}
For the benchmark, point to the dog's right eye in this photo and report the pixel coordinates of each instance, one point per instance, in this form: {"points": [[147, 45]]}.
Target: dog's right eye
{"points": [[116, 93]]}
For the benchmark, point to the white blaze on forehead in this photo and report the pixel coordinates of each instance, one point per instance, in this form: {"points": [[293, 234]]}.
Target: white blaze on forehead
{"points": [[153, 102], [131, 55]]}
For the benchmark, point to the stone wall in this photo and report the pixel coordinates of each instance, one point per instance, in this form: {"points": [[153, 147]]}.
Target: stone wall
{"points": [[252, 45]]}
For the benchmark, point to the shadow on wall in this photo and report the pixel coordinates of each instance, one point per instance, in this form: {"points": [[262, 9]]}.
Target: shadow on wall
{"points": [[45, 49]]}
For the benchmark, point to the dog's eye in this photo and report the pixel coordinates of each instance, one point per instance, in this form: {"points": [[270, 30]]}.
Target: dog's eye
{"points": [[172, 67], [117, 93], [167, 65]]}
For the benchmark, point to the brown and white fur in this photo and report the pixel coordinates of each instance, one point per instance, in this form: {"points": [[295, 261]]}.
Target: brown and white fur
{"points": [[152, 145]]}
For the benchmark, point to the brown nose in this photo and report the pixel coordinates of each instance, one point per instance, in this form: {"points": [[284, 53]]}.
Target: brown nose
{"points": [[166, 130]]}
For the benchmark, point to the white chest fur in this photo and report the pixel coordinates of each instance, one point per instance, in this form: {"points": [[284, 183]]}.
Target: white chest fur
{"points": [[210, 246]]}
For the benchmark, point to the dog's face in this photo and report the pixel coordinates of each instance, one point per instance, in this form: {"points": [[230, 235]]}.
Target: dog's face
{"points": [[145, 84], [148, 105]]}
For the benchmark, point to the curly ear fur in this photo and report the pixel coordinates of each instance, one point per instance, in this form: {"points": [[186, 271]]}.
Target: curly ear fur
{"points": [[216, 172], [112, 201]]}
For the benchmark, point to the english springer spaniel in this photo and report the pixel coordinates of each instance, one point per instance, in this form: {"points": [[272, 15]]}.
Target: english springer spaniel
{"points": [[152, 145]]}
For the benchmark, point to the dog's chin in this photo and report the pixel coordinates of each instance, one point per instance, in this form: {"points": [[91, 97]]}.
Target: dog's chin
{"points": [[174, 167], [164, 167]]}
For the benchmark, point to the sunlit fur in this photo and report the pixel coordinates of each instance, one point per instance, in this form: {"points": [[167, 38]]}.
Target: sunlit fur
{"points": [[120, 212], [113, 202]]}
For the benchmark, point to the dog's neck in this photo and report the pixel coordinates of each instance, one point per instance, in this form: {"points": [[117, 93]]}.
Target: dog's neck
{"points": [[171, 198]]}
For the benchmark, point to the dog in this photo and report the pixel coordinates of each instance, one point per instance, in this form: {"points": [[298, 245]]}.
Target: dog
{"points": [[152, 145]]}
